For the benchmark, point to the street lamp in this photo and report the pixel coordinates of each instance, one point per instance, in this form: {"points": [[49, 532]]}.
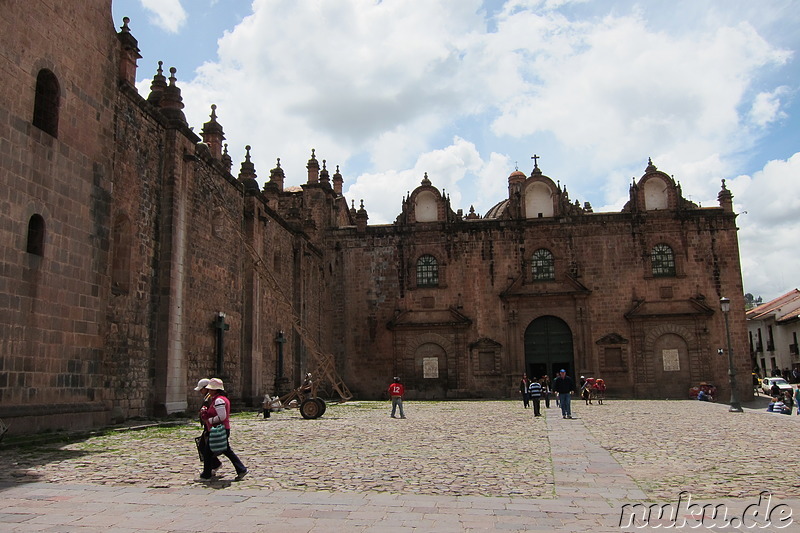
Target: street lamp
{"points": [[736, 407]]}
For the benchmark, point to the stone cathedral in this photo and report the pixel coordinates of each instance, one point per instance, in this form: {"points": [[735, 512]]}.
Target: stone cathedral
{"points": [[136, 258]]}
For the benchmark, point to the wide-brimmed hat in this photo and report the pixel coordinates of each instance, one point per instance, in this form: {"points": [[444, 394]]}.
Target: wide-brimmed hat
{"points": [[215, 384], [202, 384]]}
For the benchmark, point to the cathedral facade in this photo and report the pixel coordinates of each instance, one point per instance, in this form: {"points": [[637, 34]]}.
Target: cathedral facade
{"points": [[135, 261]]}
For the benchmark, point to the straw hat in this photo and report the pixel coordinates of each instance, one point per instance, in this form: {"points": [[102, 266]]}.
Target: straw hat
{"points": [[215, 384]]}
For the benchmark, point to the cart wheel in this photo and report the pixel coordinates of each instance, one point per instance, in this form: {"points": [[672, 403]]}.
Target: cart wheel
{"points": [[310, 409], [322, 406]]}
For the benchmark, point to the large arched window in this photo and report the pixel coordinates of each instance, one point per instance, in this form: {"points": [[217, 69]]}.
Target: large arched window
{"points": [[35, 244], [543, 265], [46, 103], [662, 259], [427, 271]]}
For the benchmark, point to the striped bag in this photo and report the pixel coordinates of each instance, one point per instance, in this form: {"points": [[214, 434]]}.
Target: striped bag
{"points": [[218, 439]]}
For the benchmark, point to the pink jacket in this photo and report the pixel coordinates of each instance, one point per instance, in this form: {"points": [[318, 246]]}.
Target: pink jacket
{"points": [[217, 412]]}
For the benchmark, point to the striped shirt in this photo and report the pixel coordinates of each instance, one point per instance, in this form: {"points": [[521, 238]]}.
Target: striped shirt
{"points": [[535, 389]]}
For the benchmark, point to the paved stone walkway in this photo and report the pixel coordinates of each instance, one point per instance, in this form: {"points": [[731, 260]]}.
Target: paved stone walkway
{"points": [[450, 466]]}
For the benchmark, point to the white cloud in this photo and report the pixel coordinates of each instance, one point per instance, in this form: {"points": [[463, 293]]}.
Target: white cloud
{"points": [[169, 15], [767, 107], [769, 203], [390, 90], [446, 168]]}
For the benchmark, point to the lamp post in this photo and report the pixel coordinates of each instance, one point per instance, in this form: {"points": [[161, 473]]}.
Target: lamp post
{"points": [[736, 407]]}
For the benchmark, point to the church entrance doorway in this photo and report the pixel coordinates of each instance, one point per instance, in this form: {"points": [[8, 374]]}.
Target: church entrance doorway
{"points": [[548, 348]]}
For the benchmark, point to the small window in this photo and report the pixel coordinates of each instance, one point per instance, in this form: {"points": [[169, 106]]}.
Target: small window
{"points": [[427, 272], [46, 103], [663, 261], [35, 244], [543, 265]]}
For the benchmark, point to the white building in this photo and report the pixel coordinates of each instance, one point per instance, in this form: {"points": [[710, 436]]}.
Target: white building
{"points": [[773, 329]]}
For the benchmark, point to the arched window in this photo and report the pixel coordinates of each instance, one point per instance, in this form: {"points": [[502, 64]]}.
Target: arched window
{"points": [[662, 259], [543, 265], [427, 271], [35, 236], [45, 107]]}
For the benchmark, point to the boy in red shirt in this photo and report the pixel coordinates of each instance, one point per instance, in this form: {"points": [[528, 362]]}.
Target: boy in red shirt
{"points": [[396, 392]]}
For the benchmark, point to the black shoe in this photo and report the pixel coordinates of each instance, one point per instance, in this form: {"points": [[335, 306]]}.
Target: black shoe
{"points": [[569, 416], [240, 475], [205, 476]]}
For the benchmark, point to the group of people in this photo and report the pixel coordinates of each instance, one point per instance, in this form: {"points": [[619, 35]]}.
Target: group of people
{"points": [[533, 391], [215, 411], [784, 403]]}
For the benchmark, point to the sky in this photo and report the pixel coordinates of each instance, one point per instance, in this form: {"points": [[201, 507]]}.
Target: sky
{"points": [[469, 90]]}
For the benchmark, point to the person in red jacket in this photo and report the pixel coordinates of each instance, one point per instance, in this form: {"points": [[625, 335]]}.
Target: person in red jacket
{"points": [[396, 392], [217, 412]]}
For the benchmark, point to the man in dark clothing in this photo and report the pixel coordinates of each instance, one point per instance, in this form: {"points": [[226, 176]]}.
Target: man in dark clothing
{"points": [[563, 385], [523, 389]]}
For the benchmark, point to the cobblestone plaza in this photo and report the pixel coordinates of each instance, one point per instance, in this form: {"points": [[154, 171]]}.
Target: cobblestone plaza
{"points": [[458, 466]]}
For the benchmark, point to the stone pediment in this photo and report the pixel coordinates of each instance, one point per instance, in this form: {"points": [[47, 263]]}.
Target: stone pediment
{"points": [[612, 338], [691, 307], [485, 342], [568, 285], [429, 318]]}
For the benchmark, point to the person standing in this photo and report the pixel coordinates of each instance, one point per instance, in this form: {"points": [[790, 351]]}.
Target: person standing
{"points": [[396, 393], [535, 394], [797, 398], [216, 413], [545, 381], [203, 444], [524, 383], [564, 385]]}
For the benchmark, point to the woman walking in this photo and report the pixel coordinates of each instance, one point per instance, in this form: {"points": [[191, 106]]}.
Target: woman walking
{"points": [[218, 413]]}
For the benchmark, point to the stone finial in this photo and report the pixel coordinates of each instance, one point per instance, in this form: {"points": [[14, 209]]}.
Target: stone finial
{"points": [[650, 166], [276, 176], [725, 198], [324, 175], [129, 54], [425, 181], [171, 100], [227, 161], [338, 181], [247, 174], [313, 168], [361, 218], [213, 135], [157, 86]]}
